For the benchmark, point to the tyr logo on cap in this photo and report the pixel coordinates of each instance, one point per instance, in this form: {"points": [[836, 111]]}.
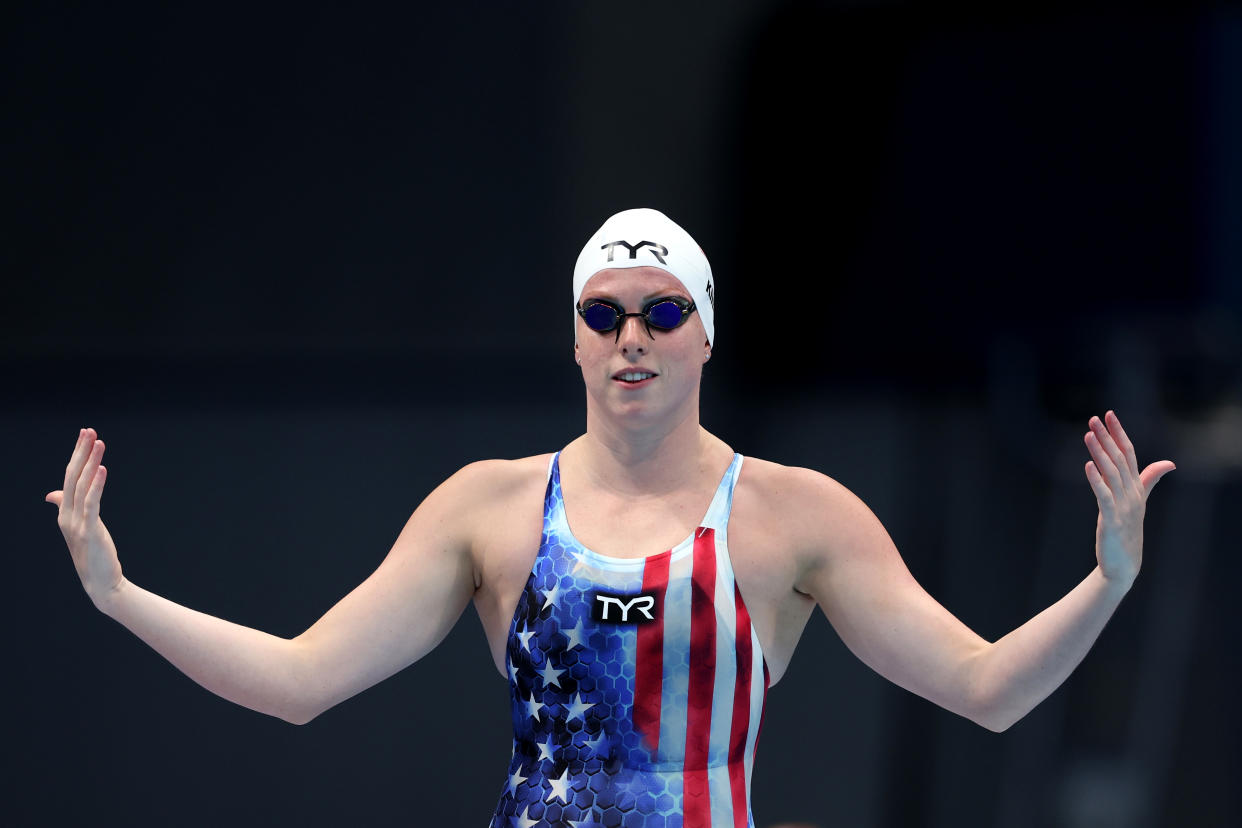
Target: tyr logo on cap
{"points": [[659, 254]]}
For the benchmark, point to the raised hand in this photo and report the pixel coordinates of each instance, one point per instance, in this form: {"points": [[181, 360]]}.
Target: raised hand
{"points": [[90, 545], [1121, 491]]}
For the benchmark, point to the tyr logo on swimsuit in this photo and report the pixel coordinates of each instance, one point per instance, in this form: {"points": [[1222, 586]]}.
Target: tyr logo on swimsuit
{"points": [[657, 250], [623, 609]]}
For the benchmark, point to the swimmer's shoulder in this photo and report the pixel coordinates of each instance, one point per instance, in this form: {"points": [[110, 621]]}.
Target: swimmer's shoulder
{"points": [[800, 506], [502, 506], [494, 485], [772, 484], [502, 474]]}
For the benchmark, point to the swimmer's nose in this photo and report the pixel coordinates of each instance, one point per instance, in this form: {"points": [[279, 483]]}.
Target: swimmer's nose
{"points": [[633, 335]]}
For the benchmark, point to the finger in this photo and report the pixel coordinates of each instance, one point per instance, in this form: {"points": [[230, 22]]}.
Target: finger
{"points": [[1102, 495], [88, 474], [54, 497], [94, 494], [1104, 463], [73, 469], [1123, 440], [1114, 453], [1153, 473]]}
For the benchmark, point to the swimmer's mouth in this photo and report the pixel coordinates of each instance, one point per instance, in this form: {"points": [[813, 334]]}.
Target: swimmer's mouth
{"points": [[634, 377]]}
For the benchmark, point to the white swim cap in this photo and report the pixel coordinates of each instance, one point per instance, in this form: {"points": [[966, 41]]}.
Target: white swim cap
{"points": [[647, 238]]}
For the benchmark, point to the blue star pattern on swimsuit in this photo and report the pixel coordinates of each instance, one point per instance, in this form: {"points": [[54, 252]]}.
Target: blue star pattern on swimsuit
{"points": [[613, 679]]}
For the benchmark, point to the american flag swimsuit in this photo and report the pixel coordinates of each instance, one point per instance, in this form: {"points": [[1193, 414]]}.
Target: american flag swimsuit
{"points": [[637, 685]]}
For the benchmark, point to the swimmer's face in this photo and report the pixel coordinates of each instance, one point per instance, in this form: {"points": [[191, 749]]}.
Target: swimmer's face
{"points": [[676, 357]]}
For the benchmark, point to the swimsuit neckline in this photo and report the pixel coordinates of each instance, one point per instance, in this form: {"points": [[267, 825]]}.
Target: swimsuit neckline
{"points": [[674, 552]]}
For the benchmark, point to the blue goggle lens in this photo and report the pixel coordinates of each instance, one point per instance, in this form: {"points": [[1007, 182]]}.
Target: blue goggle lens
{"points": [[665, 315], [599, 317]]}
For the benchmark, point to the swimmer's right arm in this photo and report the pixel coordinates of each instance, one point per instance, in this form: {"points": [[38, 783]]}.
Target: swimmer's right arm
{"points": [[396, 616]]}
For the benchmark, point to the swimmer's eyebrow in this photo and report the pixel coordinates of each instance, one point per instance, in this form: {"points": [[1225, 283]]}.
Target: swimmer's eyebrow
{"points": [[666, 292]]}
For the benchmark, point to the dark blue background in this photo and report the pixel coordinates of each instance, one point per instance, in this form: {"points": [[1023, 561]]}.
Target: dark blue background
{"points": [[297, 267]]}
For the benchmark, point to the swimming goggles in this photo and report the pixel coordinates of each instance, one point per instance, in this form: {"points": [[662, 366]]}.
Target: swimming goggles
{"points": [[665, 314]]}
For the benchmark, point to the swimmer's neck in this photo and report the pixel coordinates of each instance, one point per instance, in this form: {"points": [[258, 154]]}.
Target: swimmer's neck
{"points": [[648, 463]]}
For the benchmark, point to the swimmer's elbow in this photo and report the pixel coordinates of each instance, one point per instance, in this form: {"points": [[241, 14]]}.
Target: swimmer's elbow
{"points": [[993, 718], [988, 704], [299, 718], [996, 725], [305, 712]]}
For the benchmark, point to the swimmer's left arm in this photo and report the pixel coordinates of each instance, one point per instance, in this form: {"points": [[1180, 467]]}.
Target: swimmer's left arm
{"points": [[854, 572]]}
